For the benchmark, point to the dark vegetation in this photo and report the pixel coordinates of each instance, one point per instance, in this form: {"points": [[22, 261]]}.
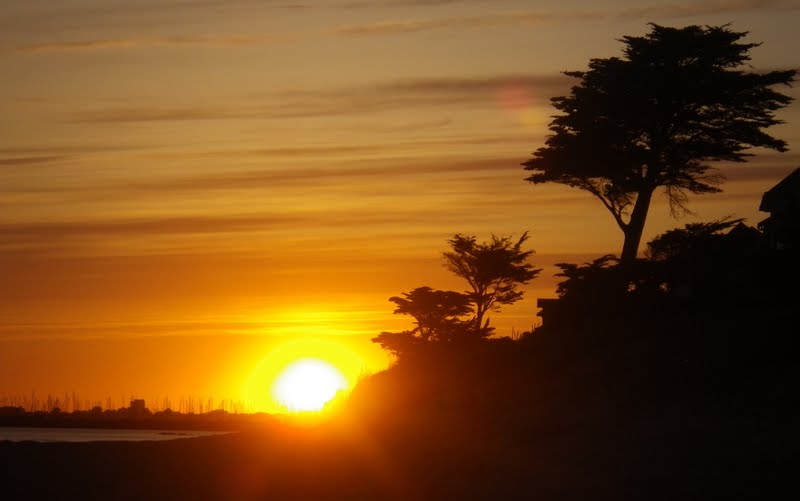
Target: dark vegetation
{"points": [[704, 325], [681, 366], [672, 376]]}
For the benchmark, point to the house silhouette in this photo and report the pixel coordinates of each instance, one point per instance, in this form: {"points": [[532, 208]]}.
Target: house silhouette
{"points": [[782, 228]]}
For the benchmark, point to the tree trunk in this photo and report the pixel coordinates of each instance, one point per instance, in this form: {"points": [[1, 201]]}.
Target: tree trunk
{"points": [[479, 312], [633, 232]]}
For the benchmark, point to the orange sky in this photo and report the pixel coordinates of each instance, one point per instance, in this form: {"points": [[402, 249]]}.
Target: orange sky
{"points": [[185, 185]]}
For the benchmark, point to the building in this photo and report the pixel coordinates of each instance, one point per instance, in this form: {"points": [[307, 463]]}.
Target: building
{"points": [[137, 409], [782, 228]]}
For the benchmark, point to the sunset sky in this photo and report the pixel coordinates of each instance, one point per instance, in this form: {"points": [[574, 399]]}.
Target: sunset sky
{"points": [[186, 186]]}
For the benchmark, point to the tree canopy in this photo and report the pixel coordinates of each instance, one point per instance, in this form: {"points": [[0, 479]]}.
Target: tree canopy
{"points": [[678, 99], [493, 269], [436, 313], [437, 318]]}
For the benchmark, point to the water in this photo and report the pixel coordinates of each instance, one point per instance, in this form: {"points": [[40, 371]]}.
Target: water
{"points": [[96, 434]]}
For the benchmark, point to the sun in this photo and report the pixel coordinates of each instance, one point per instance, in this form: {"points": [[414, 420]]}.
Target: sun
{"points": [[301, 375], [307, 385]]}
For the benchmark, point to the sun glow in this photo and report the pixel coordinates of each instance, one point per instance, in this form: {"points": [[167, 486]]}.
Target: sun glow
{"points": [[302, 375], [307, 385]]}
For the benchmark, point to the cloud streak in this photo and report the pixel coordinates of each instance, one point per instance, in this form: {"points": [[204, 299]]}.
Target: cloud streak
{"points": [[20, 161], [682, 10], [175, 42], [251, 179], [59, 233], [394, 95], [526, 18], [490, 19], [463, 22], [343, 150], [49, 232]]}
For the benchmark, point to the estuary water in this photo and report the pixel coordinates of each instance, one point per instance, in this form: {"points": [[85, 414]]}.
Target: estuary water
{"points": [[96, 434]]}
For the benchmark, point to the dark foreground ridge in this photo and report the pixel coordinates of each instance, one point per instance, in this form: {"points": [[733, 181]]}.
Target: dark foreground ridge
{"points": [[420, 457]]}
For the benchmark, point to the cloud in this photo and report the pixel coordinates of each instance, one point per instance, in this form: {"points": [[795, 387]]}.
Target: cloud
{"points": [[681, 10], [156, 114], [461, 22], [154, 13], [40, 156], [25, 18], [425, 93], [147, 43], [19, 161], [63, 150], [120, 330], [49, 232], [60, 234], [466, 89], [761, 168], [411, 3], [251, 179], [523, 18], [349, 151]]}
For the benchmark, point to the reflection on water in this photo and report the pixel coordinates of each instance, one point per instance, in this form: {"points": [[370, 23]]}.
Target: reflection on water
{"points": [[96, 434]]}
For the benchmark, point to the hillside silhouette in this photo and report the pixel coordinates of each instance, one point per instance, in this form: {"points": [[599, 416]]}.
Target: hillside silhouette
{"points": [[672, 379]]}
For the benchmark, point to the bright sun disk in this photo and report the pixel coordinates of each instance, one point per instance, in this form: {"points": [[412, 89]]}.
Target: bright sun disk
{"points": [[307, 385]]}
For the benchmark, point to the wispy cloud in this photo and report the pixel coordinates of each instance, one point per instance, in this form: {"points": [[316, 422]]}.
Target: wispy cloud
{"points": [[467, 88], [461, 22], [340, 151], [121, 330], [274, 178], [523, 18], [490, 19], [20, 161], [412, 3], [56, 151], [682, 10], [765, 168], [25, 17], [158, 114], [401, 94], [144, 43], [58, 232], [47, 233]]}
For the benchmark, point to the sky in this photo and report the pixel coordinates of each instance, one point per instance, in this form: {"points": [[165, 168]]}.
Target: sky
{"points": [[188, 186]]}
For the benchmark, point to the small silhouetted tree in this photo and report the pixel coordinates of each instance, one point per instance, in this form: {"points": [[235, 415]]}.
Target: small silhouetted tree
{"points": [[436, 313], [399, 344], [436, 317], [493, 270], [678, 99]]}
